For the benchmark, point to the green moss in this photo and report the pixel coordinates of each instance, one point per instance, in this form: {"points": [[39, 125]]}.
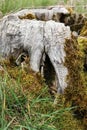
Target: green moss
{"points": [[76, 92], [30, 97]]}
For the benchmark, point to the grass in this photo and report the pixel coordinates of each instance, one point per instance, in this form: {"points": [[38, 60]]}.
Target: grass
{"points": [[19, 111], [26, 104], [12, 5]]}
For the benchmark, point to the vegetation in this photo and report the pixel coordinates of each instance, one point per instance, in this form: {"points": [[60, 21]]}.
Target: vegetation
{"points": [[26, 104], [25, 101], [12, 5], [76, 92]]}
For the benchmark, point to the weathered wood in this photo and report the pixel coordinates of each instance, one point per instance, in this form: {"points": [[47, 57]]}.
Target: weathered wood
{"points": [[35, 38], [52, 13]]}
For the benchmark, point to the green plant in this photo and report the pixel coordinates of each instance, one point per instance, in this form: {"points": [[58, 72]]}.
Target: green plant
{"points": [[25, 102], [11, 5], [76, 92]]}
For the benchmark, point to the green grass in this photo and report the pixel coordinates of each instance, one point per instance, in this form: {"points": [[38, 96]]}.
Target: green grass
{"points": [[26, 104], [12, 5], [19, 110]]}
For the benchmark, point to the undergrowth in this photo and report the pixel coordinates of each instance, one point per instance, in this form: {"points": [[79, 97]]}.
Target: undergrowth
{"points": [[25, 101], [76, 92], [26, 104]]}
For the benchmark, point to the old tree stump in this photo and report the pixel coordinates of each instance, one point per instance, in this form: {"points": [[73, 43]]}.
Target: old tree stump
{"points": [[41, 34], [55, 40]]}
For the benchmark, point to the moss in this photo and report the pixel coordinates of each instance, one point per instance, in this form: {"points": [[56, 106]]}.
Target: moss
{"points": [[71, 11], [68, 121], [75, 21], [76, 92], [28, 16], [84, 30], [30, 88]]}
